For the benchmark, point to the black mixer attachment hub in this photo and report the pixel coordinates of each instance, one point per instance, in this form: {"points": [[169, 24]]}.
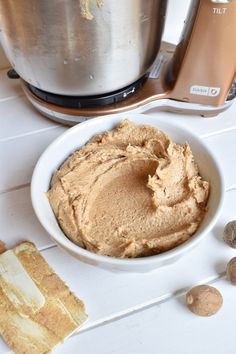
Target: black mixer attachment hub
{"points": [[89, 101]]}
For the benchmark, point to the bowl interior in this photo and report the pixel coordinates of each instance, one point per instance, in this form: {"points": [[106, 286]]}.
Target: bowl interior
{"points": [[77, 136]]}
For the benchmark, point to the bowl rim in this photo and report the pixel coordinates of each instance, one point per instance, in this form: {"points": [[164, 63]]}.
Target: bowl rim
{"points": [[67, 244]]}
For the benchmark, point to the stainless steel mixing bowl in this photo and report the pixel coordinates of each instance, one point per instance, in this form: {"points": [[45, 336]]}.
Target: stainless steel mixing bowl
{"points": [[81, 47]]}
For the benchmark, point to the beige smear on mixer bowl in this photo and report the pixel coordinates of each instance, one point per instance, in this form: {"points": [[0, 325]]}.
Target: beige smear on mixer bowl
{"points": [[85, 8]]}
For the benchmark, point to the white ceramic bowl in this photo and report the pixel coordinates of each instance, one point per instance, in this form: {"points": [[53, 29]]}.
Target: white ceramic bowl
{"points": [[75, 138]]}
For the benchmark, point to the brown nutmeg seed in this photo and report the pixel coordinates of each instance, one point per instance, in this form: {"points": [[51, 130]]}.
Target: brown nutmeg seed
{"points": [[204, 300], [231, 271], [230, 234]]}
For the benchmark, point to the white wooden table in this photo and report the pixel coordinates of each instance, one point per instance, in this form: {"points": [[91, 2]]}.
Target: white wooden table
{"points": [[128, 313]]}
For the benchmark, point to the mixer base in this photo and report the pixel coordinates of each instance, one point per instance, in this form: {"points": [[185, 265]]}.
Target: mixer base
{"points": [[165, 105], [152, 94]]}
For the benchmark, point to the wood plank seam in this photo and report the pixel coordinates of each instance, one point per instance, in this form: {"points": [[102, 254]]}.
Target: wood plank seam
{"points": [[231, 188], [144, 306], [13, 189], [216, 133], [43, 130], [9, 98]]}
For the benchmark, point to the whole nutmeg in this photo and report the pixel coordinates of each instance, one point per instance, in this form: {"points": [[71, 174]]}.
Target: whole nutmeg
{"points": [[204, 300], [230, 234], [231, 270]]}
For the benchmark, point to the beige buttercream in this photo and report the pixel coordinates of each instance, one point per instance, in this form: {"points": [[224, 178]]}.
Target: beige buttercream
{"points": [[129, 192], [85, 8]]}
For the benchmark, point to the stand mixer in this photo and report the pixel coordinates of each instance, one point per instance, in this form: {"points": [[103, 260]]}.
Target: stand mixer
{"points": [[79, 62]]}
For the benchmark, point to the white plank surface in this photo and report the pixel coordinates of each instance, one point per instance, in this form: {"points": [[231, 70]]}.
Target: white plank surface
{"points": [[166, 328], [8, 88], [23, 152], [224, 148], [18, 221], [18, 118], [203, 126]]}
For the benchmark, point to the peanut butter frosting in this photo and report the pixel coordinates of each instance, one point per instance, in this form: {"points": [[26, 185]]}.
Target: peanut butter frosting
{"points": [[130, 192]]}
